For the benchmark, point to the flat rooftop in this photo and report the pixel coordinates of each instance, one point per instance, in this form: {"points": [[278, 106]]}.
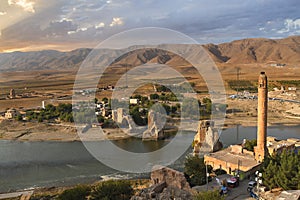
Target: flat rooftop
{"points": [[245, 160]]}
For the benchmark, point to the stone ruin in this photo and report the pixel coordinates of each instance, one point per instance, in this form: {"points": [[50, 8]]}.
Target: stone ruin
{"points": [[124, 120], [154, 131], [207, 138], [167, 183], [156, 123]]}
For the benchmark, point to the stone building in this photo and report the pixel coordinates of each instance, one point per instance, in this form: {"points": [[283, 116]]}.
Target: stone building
{"points": [[167, 183], [170, 177], [11, 113], [277, 146]]}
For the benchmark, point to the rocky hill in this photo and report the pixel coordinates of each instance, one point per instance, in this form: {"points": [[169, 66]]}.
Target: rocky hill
{"points": [[258, 50]]}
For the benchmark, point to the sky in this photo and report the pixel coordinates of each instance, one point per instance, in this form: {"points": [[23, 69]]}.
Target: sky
{"points": [[29, 25]]}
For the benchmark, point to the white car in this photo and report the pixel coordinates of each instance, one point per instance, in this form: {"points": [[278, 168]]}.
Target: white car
{"points": [[251, 185]]}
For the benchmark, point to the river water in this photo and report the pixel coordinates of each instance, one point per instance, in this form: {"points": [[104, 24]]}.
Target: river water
{"points": [[45, 164]]}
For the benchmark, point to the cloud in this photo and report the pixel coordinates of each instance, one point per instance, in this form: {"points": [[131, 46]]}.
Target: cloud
{"points": [[80, 22], [3, 13], [117, 21], [100, 25], [291, 26], [27, 5]]}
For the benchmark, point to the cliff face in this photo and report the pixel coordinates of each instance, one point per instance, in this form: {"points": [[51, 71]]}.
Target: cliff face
{"points": [[258, 50]]}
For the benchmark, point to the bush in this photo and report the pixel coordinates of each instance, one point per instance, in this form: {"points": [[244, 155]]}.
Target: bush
{"points": [[112, 190], [209, 195], [78, 193], [220, 172], [250, 144]]}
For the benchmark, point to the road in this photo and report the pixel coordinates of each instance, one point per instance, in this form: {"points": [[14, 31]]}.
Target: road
{"points": [[238, 193]]}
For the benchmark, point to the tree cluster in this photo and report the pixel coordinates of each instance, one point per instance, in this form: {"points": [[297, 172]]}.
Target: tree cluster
{"points": [[195, 170], [107, 190], [51, 112], [282, 171]]}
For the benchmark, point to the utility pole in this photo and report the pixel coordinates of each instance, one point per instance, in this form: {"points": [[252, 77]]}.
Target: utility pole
{"points": [[207, 174], [237, 79], [238, 73], [126, 65]]}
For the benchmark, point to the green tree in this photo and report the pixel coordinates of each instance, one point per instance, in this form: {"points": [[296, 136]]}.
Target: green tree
{"points": [[40, 119], [154, 96], [250, 144], [78, 193], [209, 195], [112, 190], [208, 105], [19, 118], [282, 171], [137, 116], [105, 100], [194, 170]]}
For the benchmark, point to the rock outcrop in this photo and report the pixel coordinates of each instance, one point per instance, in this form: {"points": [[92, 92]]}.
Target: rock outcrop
{"points": [[156, 123], [207, 138]]}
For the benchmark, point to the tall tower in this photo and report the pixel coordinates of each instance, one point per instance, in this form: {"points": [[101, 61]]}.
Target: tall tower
{"points": [[262, 110]]}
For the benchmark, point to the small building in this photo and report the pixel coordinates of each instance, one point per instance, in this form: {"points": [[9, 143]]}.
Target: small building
{"points": [[231, 159], [277, 146], [133, 101], [11, 113]]}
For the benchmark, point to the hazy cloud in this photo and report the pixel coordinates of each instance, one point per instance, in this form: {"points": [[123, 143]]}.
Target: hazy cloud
{"points": [[100, 25], [116, 21], [27, 5], [3, 13]]}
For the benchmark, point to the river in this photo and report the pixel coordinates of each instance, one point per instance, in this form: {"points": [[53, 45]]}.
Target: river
{"points": [[45, 164]]}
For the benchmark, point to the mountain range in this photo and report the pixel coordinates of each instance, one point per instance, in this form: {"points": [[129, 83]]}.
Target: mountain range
{"points": [[245, 51]]}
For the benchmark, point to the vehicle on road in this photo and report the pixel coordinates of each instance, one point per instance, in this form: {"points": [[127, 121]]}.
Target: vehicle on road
{"points": [[251, 185]]}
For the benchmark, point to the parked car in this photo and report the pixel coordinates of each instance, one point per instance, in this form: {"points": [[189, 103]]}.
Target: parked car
{"points": [[251, 185], [233, 182]]}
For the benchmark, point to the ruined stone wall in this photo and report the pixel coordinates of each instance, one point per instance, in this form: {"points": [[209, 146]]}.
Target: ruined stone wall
{"points": [[171, 177], [207, 138], [156, 122]]}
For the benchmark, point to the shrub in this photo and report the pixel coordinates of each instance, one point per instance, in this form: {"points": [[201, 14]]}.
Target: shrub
{"points": [[220, 172], [209, 195], [78, 193], [112, 190]]}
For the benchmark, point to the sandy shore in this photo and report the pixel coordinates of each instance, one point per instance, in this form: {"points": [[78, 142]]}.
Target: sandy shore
{"points": [[33, 131]]}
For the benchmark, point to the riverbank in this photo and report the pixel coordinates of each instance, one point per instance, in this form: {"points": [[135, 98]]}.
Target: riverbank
{"points": [[55, 192], [34, 131]]}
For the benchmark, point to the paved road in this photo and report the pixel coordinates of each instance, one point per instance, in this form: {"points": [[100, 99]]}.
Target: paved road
{"points": [[238, 193]]}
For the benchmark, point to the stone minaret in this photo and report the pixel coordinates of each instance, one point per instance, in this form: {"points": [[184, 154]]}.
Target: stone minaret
{"points": [[262, 110]]}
